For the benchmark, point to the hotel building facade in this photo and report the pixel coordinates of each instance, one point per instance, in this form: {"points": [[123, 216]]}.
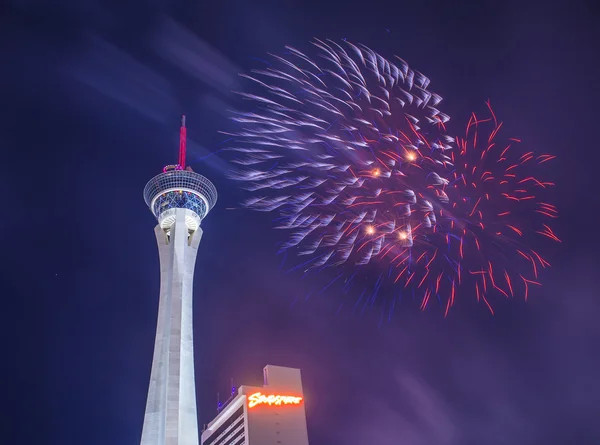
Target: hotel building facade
{"points": [[272, 414]]}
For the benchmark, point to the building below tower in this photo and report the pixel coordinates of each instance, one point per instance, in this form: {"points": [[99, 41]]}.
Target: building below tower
{"points": [[269, 415]]}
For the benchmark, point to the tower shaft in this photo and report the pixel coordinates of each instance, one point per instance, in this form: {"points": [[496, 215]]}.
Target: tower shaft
{"points": [[171, 417]]}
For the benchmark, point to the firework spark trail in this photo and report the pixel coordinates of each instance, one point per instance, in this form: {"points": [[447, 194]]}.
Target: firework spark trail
{"points": [[495, 181], [352, 153]]}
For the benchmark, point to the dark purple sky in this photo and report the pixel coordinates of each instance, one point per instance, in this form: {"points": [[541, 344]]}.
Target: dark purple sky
{"points": [[91, 94]]}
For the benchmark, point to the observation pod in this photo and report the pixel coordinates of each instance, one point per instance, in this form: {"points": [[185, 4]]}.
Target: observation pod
{"points": [[180, 189], [179, 199]]}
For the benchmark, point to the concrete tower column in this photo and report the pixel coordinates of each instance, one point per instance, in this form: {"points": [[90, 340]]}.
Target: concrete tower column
{"points": [[179, 199], [171, 417]]}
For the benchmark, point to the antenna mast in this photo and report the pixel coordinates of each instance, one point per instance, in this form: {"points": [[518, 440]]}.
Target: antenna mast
{"points": [[182, 143]]}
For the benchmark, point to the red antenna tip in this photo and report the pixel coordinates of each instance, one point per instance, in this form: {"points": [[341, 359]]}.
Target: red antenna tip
{"points": [[182, 143]]}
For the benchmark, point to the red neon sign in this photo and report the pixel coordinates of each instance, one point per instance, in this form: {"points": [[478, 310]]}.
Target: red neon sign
{"points": [[259, 399]]}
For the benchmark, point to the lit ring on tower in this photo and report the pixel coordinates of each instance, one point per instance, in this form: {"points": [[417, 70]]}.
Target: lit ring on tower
{"points": [[180, 189]]}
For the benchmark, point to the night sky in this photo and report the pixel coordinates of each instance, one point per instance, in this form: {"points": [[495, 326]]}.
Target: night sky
{"points": [[91, 94]]}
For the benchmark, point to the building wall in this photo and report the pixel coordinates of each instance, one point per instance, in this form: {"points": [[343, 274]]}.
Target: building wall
{"points": [[265, 424], [231, 426], [283, 424]]}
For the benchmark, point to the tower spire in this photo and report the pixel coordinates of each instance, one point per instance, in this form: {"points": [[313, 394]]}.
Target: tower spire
{"points": [[182, 143]]}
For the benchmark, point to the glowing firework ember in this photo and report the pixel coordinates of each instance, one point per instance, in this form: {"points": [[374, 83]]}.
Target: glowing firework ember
{"points": [[351, 151]]}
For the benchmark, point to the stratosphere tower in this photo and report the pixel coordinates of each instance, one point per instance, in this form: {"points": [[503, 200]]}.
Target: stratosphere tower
{"points": [[179, 199]]}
